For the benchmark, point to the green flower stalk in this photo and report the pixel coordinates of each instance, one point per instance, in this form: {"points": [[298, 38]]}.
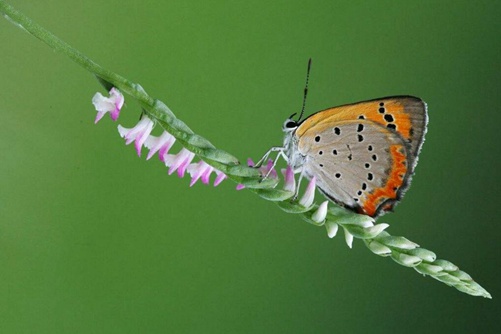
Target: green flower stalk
{"points": [[263, 181]]}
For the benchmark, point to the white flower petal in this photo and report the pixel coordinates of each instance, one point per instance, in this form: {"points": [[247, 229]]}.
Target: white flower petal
{"points": [[348, 237], [138, 133], [309, 194], [112, 104], [332, 229], [179, 161], [290, 180], [160, 144], [319, 215]]}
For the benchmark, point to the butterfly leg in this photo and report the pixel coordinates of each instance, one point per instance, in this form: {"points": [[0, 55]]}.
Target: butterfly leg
{"points": [[280, 154], [298, 184], [267, 154]]}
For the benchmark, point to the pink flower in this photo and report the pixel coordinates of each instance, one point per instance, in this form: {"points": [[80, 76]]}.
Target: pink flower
{"points": [[179, 161], [267, 170], [309, 194], [111, 104], [161, 144], [290, 181], [139, 133], [220, 177], [200, 170]]}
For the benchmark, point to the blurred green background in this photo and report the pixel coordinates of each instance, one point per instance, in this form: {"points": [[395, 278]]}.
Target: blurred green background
{"points": [[94, 239]]}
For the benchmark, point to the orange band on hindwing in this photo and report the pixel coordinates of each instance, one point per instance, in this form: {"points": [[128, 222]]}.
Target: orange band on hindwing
{"points": [[397, 177]]}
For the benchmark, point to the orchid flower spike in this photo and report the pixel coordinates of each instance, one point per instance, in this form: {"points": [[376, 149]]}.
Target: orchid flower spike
{"points": [[111, 104]]}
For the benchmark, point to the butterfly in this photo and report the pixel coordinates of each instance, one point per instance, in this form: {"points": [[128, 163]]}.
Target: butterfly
{"points": [[362, 155]]}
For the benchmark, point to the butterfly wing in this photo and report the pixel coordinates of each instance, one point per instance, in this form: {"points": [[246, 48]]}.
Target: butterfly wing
{"points": [[405, 115], [360, 164], [394, 131]]}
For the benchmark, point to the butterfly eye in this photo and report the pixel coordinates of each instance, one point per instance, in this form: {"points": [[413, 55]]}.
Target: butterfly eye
{"points": [[290, 124]]}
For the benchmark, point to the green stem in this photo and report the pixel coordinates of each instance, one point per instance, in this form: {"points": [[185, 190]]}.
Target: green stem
{"points": [[59, 45], [154, 108]]}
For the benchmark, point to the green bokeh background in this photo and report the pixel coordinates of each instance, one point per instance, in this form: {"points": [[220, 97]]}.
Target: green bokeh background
{"points": [[94, 239]]}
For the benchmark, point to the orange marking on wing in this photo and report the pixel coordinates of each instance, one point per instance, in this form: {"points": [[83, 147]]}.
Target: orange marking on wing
{"points": [[369, 110], [401, 119], [389, 191]]}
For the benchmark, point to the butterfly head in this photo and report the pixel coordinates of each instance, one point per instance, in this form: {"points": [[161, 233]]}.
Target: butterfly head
{"points": [[290, 125]]}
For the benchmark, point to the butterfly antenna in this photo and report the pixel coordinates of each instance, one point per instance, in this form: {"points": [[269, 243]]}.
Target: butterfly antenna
{"points": [[305, 90]]}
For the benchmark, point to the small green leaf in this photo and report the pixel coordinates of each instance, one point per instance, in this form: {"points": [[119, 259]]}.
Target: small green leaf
{"points": [[448, 266], [199, 142], [274, 195], [406, 260], [398, 242], [375, 230], [293, 207], [338, 213], [259, 183], [356, 230], [107, 85], [220, 156], [428, 269], [448, 279], [474, 291], [480, 290], [424, 254], [165, 111], [462, 275], [243, 171], [378, 248], [181, 126]]}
